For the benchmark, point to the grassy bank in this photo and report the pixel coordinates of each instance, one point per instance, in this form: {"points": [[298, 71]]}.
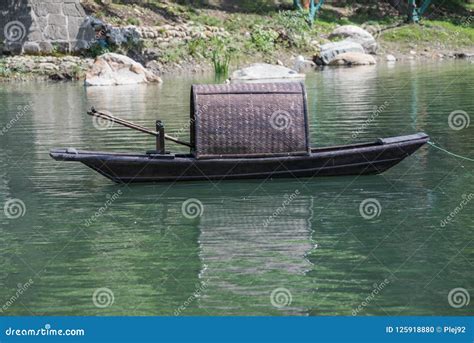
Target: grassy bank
{"points": [[266, 32]]}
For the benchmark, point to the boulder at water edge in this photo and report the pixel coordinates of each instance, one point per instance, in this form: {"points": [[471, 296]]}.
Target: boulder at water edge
{"points": [[114, 69], [390, 58], [356, 34], [263, 72], [330, 51], [353, 58]]}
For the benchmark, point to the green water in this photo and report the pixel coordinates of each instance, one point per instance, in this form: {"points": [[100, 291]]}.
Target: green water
{"points": [[154, 260]]}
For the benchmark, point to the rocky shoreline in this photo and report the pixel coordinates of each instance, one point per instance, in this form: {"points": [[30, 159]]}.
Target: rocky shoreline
{"points": [[74, 68], [347, 45], [66, 68]]}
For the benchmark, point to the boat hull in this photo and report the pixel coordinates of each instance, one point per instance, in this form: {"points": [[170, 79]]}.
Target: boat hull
{"points": [[357, 159]]}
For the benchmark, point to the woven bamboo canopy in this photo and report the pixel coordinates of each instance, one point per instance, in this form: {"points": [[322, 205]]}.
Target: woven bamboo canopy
{"points": [[249, 120]]}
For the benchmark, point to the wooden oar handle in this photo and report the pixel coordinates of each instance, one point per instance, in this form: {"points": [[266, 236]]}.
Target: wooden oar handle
{"points": [[94, 112]]}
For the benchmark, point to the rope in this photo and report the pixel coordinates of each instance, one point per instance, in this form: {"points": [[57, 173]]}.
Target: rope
{"points": [[450, 153]]}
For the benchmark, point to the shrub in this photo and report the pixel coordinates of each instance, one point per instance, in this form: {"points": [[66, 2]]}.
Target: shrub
{"points": [[262, 39]]}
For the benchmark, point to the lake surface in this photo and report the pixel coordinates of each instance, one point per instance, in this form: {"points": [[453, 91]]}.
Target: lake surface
{"points": [[272, 247]]}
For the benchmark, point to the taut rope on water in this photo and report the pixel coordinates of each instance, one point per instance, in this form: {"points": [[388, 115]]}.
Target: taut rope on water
{"points": [[450, 153]]}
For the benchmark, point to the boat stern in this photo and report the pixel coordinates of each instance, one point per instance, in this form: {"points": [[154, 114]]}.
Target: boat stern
{"points": [[419, 137]]}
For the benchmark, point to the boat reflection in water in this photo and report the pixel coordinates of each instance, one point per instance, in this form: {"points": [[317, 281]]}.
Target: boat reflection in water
{"points": [[253, 250]]}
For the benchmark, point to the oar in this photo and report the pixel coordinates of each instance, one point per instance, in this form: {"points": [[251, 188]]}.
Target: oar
{"points": [[93, 112]]}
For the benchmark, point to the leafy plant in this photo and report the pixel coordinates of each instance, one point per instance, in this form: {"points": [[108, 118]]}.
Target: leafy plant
{"points": [[4, 70], [172, 54], [263, 40], [97, 49]]}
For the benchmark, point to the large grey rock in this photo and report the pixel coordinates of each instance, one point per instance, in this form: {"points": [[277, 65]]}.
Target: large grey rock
{"points": [[113, 69], [122, 35], [261, 72], [353, 58], [46, 47], [31, 48], [330, 51], [356, 34], [390, 58]]}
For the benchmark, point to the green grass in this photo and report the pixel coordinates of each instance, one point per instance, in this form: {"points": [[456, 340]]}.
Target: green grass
{"points": [[133, 21], [431, 32], [174, 54], [221, 62]]}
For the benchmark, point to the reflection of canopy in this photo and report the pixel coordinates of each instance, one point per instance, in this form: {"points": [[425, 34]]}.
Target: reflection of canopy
{"points": [[248, 250]]}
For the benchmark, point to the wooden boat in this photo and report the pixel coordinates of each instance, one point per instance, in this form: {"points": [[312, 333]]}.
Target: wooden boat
{"points": [[242, 132]]}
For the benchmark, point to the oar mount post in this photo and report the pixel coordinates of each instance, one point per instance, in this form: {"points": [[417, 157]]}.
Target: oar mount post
{"points": [[160, 137]]}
